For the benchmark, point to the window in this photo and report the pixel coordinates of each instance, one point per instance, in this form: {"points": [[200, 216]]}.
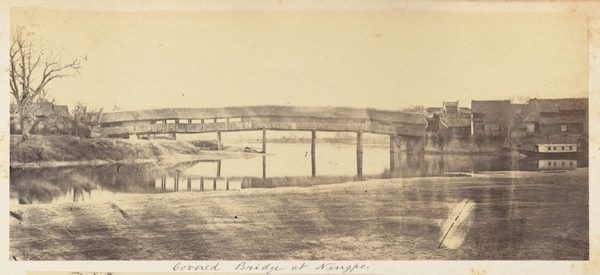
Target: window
{"points": [[549, 148], [563, 128], [570, 147], [562, 148]]}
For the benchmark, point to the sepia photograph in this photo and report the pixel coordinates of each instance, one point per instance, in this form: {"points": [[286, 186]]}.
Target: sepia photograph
{"points": [[321, 135]]}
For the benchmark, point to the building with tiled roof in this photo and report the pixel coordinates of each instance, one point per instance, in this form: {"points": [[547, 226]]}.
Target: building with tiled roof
{"points": [[450, 120]]}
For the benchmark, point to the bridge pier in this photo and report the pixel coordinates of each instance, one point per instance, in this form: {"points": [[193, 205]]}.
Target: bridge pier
{"points": [[393, 164], [393, 155], [219, 143], [201, 183], [415, 144], [313, 158], [218, 168], [264, 164], [393, 144], [264, 141], [359, 154]]}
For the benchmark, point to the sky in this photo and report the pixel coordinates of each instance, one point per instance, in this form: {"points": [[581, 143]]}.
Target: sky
{"points": [[376, 59]]}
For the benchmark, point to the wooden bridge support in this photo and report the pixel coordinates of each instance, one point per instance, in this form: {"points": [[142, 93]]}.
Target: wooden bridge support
{"points": [[264, 164], [313, 159], [201, 183], [219, 143], [264, 141], [218, 168], [393, 155], [359, 155]]}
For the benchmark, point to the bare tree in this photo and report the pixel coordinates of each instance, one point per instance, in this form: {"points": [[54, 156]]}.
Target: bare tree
{"points": [[84, 119], [31, 69]]}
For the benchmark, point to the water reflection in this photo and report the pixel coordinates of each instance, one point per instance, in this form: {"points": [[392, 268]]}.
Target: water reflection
{"points": [[539, 164], [287, 165]]}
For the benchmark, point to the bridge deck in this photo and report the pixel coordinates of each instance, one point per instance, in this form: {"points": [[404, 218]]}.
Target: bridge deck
{"points": [[263, 118]]}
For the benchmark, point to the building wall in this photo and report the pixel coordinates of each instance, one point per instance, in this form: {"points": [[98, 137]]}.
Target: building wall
{"points": [[569, 128], [455, 131], [489, 129]]}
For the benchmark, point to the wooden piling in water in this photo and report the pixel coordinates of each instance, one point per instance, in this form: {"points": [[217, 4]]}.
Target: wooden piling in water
{"points": [[264, 141], [359, 154], [218, 168], [264, 165], [219, 143], [313, 159]]}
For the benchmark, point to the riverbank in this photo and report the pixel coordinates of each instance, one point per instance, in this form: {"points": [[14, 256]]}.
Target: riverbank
{"points": [[510, 215], [56, 150]]}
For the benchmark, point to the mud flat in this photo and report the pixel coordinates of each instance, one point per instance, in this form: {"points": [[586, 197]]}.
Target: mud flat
{"points": [[501, 215]]}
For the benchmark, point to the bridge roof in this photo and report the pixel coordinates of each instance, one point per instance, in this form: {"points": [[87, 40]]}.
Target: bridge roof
{"points": [[266, 111]]}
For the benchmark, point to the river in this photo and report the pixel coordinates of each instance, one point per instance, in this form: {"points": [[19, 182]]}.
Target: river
{"points": [[285, 164]]}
